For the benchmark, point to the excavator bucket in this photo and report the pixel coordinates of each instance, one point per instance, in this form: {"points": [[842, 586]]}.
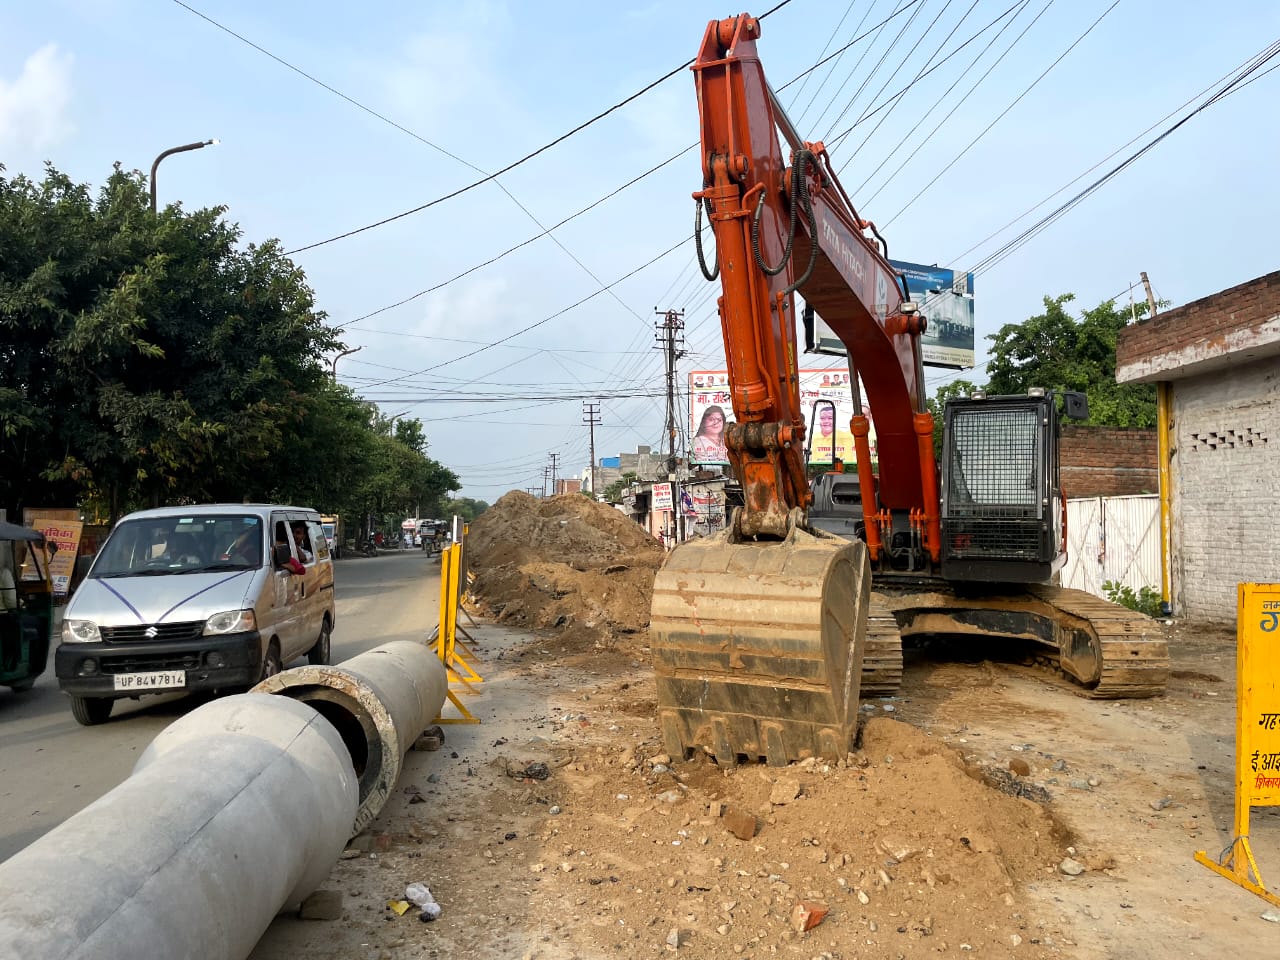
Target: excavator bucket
{"points": [[758, 647]]}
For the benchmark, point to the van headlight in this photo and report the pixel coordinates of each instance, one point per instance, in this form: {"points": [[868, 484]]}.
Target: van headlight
{"points": [[80, 631], [231, 621]]}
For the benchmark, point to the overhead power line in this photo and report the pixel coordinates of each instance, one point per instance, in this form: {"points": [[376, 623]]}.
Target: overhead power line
{"points": [[1005, 111], [547, 319], [477, 183], [1237, 82], [509, 167]]}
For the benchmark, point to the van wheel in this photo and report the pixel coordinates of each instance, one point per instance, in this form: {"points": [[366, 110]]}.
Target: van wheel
{"points": [[90, 711], [319, 654], [271, 664]]}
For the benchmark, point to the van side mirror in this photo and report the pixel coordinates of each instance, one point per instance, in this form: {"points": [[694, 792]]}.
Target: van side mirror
{"points": [[280, 554]]}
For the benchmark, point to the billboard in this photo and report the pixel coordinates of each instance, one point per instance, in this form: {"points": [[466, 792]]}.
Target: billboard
{"points": [[826, 400], [945, 299]]}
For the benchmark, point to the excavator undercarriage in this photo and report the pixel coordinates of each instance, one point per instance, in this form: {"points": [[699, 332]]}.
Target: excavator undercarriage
{"points": [[1108, 651]]}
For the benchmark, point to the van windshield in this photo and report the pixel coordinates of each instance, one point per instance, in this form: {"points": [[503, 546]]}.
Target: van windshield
{"points": [[181, 544]]}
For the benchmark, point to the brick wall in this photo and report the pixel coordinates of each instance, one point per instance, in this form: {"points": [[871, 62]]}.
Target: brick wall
{"points": [[1208, 330], [1226, 487], [1108, 461]]}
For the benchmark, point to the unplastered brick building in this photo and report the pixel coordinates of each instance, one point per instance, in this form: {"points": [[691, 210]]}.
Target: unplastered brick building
{"points": [[1220, 359]]}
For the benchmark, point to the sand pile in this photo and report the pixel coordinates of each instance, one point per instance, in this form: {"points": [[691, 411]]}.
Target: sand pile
{"points": [[565, 562]]}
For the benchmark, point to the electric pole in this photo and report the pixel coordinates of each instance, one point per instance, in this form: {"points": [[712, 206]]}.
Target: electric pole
{"points": [[591, 417], [554, 457], [670, 337], [546, 472], [1151, 300]]}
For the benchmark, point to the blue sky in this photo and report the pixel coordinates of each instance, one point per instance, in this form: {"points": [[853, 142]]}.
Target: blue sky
{"points": [[85, 83]]}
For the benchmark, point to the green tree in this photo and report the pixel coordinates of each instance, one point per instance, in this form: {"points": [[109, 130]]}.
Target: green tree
{"points": [[465, 507], [937, 403], [150, 357], [1057, 351], [613, 492]]}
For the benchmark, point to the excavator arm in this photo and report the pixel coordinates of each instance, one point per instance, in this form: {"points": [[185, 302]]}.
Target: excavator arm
{"points": [[784, 225]]}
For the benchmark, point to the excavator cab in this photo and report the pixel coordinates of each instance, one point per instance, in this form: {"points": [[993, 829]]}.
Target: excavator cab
{"points": [[1003, 508]]}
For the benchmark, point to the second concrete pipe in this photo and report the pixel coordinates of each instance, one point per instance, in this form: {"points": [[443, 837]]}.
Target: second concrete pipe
{"points": [[379, 702]]}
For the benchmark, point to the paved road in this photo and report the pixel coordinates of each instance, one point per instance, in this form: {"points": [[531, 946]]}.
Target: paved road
{"points": [[51, 767]]}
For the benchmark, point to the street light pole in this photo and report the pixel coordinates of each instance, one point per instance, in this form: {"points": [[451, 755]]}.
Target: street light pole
{"points": [[333, 364], [171, 150]]}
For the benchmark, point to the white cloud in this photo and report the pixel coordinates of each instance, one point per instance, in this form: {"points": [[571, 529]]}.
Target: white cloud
{"points": [[34, 107]]}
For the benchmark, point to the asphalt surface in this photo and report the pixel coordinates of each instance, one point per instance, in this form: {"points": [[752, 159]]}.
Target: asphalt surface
{"points": [[51, 767]]}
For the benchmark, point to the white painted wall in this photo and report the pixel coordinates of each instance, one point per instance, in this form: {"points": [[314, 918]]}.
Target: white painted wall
{"points": [[1225, 525]]}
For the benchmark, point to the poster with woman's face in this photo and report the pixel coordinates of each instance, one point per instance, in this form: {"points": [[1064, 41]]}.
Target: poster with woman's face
{"points": [[709, 413], [826, 402]]}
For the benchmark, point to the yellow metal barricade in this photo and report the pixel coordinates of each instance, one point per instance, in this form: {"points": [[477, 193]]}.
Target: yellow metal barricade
{"points": [[456, 655], [1257, 730]]}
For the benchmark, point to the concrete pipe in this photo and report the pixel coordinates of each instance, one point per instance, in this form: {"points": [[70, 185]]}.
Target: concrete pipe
{"points": [[379, 702], [235, 811]]}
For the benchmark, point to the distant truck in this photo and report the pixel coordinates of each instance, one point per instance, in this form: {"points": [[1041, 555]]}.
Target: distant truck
{"points": [[332, 527]]}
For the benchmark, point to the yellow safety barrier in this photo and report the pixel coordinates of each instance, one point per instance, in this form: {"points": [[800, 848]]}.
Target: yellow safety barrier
{"points": [[456, 655], [1257, 730]]}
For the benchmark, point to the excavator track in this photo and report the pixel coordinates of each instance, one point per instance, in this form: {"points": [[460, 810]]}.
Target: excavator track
{"points": [[1107, 651], [1126, 650], [882, 651]]}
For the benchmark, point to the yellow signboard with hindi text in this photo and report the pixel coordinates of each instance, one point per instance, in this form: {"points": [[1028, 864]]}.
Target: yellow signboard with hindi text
{"points": [[1257, 729]]}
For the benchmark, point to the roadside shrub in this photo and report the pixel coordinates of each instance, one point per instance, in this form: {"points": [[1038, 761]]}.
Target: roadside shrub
{"points": [[1147, 600]]}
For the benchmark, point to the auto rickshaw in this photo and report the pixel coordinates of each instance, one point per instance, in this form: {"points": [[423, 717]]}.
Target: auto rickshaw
{"points": [[26, 606]]}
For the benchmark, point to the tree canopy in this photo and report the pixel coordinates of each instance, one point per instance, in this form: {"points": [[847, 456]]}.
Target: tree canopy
{"points": [[153, 358], [1057, 351]]}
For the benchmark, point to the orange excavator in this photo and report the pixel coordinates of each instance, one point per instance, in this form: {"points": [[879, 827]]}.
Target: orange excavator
{"points": [[765, 636]]}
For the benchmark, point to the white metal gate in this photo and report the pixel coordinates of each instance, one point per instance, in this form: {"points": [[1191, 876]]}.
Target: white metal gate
{"points": [[1112, 538]]}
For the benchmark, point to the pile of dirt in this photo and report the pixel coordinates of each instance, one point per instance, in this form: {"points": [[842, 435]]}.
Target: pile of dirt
{"points": [[564, 562], [603, 846], [903, 846]]}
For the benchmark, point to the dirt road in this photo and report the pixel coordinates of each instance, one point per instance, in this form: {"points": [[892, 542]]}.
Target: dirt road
{"points": [[620, 852]]}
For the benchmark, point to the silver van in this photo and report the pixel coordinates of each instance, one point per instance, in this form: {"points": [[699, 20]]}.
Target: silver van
{"points": [[210, 597]]}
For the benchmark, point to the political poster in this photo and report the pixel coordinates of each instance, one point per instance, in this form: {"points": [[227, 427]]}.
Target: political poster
{"points": [[710, 411], [945, 300], [826, 402]]}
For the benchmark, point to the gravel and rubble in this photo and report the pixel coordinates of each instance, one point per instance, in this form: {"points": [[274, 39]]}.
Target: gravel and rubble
{"points": [[991, 812]]}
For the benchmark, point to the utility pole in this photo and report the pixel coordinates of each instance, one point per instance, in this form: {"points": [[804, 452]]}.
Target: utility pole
{"points": [[546, 472], [554, 458], [671, 336], [591, 417], [1151, 300]]}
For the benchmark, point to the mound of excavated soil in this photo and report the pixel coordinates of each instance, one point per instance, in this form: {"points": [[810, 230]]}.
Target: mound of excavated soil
{"points": [[564, 562], [907, 849]]}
